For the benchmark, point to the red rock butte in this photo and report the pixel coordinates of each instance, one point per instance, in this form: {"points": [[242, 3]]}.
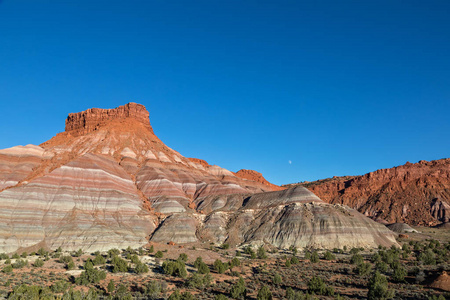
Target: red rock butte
{"points": [[109, 182], [92, 119]]}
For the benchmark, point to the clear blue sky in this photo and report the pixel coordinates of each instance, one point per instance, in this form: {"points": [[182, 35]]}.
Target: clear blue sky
{"points": [[335, 87]]}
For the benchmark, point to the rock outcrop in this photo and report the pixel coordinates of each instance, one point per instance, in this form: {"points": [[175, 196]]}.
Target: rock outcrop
{"points": [[417, 194], [92, 119], [109, 182]]}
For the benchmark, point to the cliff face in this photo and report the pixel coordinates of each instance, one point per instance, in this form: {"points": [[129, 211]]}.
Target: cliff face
{"points": [[109, 182], [416, 194], [92, 119]]}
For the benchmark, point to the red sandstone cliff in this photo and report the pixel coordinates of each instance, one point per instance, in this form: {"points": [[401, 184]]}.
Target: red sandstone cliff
{"points": [[92, 119], [413, 193]]}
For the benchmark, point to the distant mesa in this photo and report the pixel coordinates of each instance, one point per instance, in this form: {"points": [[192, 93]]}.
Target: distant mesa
{"points": [[416, 194], [108, 181]]}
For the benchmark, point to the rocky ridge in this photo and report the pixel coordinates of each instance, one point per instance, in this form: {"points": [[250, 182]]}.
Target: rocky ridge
{"points": [[108, 181], [416, 194]]}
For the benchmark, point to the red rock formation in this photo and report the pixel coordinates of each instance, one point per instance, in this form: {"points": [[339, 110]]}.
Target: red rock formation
{"points": [[405, 194], [258, 177], [92, 119]]}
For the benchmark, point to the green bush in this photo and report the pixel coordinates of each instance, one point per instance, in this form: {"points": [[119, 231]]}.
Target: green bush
{"points": [[141, 268], [60, 286], [159, 254], [378, 288], [235, 262], [220, 297], [220, 267], [198, 281], [99, 260], [174, 268], [65, 259], [329, 256], [90, 275], [294, 260], [151, 249], [238, 290], [317, 285], [277, 279], [111, 286], [183, 257], [119, 265], [225, 246], [356, 259], [314, 257], [20, 263], [363, 269], [427, 257], [38, 263], [381, 266], [399, 274], [261, 254], [264, 294], [7, 269]]}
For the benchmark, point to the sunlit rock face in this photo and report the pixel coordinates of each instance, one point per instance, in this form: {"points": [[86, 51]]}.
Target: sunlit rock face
{"points": [[294, 217], [89, 203], [107, 181], [416, 194]]}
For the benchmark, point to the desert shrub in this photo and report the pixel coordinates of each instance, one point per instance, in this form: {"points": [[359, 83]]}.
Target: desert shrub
{"points": [[363, 269], [314, 257], [159, 254], [153, 289], [235, 262], [15, 256], [276, 279], [151, 249], [356, 259], [378, 288], [225, 246], [238, 290], [4, 256], [288, 263], [135, 259], [119, 265], [294, 260], [38, 263], [220, 267], [264, 294], [65, 259], [317, 285], [113, 252], [20, 263], [381, 266], [427, 257], [220, 297], [70, 265], [198, 281], [60, 286], [420, 276], [174, 268], [111, 286], [90, 274], [307, 255], [24, 255], [30, 292], [183, 257], [355, 250], [78, 253], [329, 256], [203, 268], [261, 254], [337, 251], [399, 274], [42, 252], [99, 260], [7, 269], [141, 268]]}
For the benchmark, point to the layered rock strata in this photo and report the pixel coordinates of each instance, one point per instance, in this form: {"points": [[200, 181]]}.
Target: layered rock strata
{"points": [[109, 182], [417, 194]]}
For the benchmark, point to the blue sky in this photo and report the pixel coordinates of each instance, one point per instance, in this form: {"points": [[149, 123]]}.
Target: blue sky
{"points": [[335, 87]]}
